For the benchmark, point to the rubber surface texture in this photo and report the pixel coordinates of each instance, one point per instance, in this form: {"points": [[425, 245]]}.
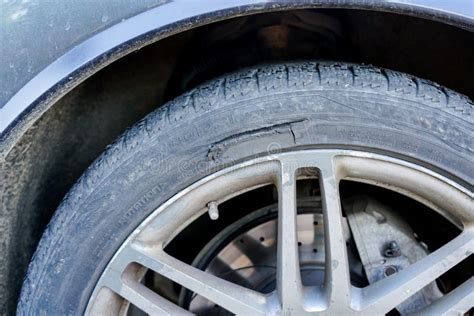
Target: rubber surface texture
{"points": [[229, 119]]}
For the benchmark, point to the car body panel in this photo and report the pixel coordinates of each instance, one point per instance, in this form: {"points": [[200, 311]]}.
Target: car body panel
{"points": [[49, 47]]}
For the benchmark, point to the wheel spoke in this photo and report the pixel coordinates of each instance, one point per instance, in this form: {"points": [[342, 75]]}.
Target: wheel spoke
{"points": [[337, 280], [141, 296], [388, 293], [230, 296], [456, 302], [289, 286]]}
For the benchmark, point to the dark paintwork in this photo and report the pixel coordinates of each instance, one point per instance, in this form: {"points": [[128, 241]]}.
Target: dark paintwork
{"points": [[48, 47]]}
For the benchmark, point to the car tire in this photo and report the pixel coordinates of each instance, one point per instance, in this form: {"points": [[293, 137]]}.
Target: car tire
{"points": [[253, 112]]}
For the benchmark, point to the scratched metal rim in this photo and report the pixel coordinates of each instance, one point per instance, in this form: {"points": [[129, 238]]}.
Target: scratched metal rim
{"points": [[120, 283]]}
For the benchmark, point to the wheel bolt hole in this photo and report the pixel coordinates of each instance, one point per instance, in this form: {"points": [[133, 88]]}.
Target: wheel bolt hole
{"points": [[262, 239], [315, 250], [299, 244], [315, 223]]}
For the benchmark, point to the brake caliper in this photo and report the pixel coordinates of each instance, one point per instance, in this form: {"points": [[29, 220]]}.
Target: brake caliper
{"points": [[386, 245]]}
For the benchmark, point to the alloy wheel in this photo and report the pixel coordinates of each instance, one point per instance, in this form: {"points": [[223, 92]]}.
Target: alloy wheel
{"points": [[120, 284]]}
